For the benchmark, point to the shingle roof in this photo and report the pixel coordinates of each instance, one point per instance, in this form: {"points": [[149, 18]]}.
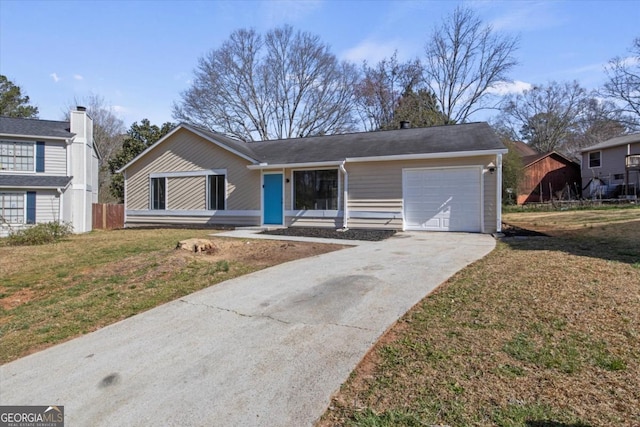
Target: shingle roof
{"points": [[469, 137], [33, 181], [34, 127], [429, 140], [614, 142], [239, 146]]}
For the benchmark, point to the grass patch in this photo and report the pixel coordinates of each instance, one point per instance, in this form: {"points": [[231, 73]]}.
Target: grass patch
{"points": [[54, 292], [544, 331]]}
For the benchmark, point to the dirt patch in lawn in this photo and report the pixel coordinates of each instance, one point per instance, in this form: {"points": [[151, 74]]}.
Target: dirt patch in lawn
{"points": [[51, 293]]}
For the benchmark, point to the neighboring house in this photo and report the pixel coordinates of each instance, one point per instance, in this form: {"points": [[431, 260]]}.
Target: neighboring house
{"points": [[612, 168], [437, 178], [548, 176], [522, 149], [48, 172]]}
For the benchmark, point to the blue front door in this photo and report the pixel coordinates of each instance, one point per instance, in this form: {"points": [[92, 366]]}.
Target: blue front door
{"points": [[272, 196]]}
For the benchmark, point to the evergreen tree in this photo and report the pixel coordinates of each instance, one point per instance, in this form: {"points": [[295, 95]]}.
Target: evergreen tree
{"points": [[12, 103], [139, 138]]}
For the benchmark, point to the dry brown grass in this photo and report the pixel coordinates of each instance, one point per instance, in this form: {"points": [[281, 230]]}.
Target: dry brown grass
{"points": [[51, 293], [544, 331]]}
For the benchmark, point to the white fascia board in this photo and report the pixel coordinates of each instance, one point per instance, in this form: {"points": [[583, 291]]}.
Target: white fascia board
{"points": [[219, 144], [151, 147], [35, 137], [192, 130], [423, 156], [295, 165]]}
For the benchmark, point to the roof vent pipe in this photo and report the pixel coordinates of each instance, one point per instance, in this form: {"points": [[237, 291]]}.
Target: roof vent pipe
{"points": [[405, 124]]}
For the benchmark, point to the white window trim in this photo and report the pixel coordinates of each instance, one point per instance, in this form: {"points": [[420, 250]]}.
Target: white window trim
{"points": [[13, 171], [207, 193], [184, 174], [166, 194], [589, 159], [24, 208], [293, 189]]}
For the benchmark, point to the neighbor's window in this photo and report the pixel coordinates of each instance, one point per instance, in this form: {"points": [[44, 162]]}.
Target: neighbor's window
{"points": [[17, 156], [594, 159], [158, 193], [216, 192], [12, 208], [315, 189]]}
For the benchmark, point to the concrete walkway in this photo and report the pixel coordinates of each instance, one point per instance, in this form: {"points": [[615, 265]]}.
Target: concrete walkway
{"points": [[266, 349]]}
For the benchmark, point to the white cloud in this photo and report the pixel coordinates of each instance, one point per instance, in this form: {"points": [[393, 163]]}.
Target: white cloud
{"points": [[78, 77], [287, 11], [506, 88], [631, 61], [370, 51], [119, 109], [55, 77], [519, 15]]}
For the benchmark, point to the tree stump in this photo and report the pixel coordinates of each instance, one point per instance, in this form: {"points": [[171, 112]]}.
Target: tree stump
{"points": [[197, 245]]}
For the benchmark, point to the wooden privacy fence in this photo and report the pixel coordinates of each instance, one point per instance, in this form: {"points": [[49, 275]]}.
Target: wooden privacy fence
{"points": [[108, 216]]}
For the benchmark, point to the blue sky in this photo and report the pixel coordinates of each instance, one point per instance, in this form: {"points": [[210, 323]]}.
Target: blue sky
{"points": [[140, 55]]}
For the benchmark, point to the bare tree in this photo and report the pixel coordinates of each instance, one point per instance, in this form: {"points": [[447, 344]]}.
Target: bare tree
{"points": [[285, 84], [108, 134], [623, 86], [600, 120], [465, 58], [381, 87], [545, 116]]}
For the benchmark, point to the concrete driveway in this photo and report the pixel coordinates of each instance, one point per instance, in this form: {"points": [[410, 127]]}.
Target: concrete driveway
{"points": [[266, 349]]}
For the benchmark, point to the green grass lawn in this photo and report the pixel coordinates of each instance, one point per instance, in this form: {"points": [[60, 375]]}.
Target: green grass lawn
{"points": [[54, 292], [544, 331]]}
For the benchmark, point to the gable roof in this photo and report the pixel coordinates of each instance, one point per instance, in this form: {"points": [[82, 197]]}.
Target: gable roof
{"points": [[35, 127], [614, 142], [463, 139], [529, 160]]}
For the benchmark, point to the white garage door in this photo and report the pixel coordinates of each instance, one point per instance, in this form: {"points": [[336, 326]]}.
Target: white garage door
{"points": [[442, 199]]}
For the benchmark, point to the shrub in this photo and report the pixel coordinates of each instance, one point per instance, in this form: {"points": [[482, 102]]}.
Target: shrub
{"points": [[40, 234]]}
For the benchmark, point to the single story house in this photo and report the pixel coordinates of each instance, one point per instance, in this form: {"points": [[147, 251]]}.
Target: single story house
{"points": [[612, 168], [48, 172], [548, 176], [444, 178]]}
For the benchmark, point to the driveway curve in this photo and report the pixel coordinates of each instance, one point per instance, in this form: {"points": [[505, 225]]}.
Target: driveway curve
{"points": [[266, 349]]}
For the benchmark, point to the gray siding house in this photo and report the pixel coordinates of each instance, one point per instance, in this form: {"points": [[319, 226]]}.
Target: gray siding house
{"points": [[48, 172], [611, 165], [445, 178]]}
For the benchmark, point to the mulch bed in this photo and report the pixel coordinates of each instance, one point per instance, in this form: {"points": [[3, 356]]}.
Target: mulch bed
{"points": [[329, 233]]}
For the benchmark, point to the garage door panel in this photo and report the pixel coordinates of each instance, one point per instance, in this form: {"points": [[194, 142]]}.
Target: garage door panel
{"points": [[442, 199]]}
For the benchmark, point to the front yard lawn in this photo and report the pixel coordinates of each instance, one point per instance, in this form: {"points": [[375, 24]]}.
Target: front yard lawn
{"points": [[544, 331], [51, 293]]}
